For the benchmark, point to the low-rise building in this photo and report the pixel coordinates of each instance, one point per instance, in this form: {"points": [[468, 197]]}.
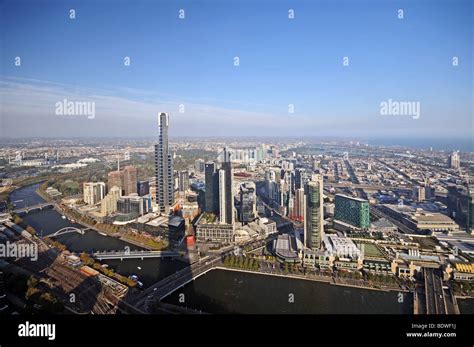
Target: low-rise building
{"points": [[464, 272], [341, 247], [285, 248], [169, 227], [420, 221], [317, 259], [210, 229], [269, 226]]}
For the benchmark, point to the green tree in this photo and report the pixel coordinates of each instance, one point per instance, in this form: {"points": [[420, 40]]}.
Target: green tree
{"points": [[32, 282]]}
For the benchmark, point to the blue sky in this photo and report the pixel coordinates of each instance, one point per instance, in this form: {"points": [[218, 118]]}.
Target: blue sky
{"points": [[282, 62]]}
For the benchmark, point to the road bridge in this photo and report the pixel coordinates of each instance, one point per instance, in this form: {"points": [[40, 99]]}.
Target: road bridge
{"points": [[134, 254]]}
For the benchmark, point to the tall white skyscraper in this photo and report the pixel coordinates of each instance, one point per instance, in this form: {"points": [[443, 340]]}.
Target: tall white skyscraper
{"points": [[313, 208], [163, 166]]}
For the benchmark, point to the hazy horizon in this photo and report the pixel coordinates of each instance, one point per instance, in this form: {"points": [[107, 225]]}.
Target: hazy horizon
{"points": [[290, 80]]}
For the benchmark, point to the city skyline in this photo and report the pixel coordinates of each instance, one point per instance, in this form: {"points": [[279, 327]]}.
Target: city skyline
{"points": [[290, 81], [216, 157]]}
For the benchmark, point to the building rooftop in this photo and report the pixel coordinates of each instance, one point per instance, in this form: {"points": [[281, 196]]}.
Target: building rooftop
{"points": [[431, 217], [208, 218], [424, 258], [351, 197], [284, 248], [461, 267], [145, 218], [383, 223], [340, 246]]}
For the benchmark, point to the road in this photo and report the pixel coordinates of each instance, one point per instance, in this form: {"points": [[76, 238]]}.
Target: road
{"points": [[435, 303], [169, 284]]}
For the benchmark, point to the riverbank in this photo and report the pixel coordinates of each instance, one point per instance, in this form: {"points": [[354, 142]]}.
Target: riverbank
{"points": [[111, 230], [136, 243], [324, 279]]}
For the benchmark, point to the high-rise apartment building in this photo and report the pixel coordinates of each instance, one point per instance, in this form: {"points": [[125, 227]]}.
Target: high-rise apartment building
{"points": [[313, 223], [93, 192], [109, 203], [114, 179], [212, 188], [183, 181], [130, 178], [163, 166], [125, 179]]}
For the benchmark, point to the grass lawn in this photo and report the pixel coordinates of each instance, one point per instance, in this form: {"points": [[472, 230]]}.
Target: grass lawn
{"points": [[370, 250]]}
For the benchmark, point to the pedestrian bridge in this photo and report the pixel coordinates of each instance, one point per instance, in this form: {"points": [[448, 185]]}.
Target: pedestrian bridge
{"points": [[67, 230], [134, 254]]}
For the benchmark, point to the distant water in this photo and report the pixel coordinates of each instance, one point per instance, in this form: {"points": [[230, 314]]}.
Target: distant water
{"points": [[464, 145], [26, 196]]}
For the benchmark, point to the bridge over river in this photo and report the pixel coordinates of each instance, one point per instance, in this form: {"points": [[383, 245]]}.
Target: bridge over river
{"points": [[134, 254]]}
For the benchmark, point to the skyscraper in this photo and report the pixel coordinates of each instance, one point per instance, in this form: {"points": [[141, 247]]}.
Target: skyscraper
{"points": [[299, 204], [129, 180], [212, 188], [299, 178], [226, 193], [93, 192], [125, 179], [143, 188], [199, 165], [163, 166], [183, 181], [313, 223], [248, 206], [114, 179], [460, 204], [454, 161]]}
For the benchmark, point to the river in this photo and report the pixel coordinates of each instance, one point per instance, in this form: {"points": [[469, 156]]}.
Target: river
{"points": [[48, 221], [222, 291]]}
